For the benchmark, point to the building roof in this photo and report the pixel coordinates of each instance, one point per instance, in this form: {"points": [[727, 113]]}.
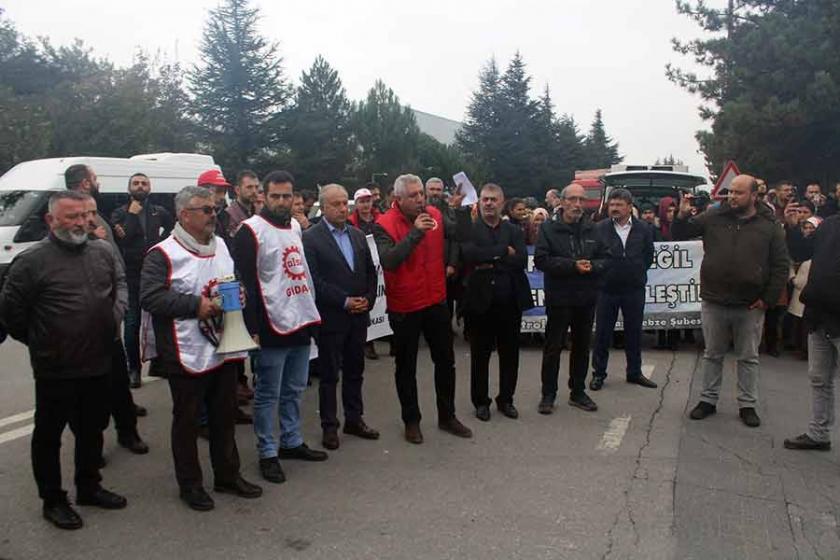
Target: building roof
{"points": [[441, 129]]}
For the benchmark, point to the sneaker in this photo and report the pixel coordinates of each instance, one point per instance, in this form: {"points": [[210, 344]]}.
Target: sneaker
{"points": [[749, 417], [271, 470], [583, 402], [804, 441], [702, 410]]}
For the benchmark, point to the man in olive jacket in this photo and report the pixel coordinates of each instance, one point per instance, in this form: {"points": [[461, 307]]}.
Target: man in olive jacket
{"points": [[745, 267]]}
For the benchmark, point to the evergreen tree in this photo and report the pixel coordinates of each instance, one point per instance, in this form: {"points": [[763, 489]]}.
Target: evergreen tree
{"points": [[239, 88], [318, 127], [570, 143], [478, 139], [386, 134], [600, 150]]}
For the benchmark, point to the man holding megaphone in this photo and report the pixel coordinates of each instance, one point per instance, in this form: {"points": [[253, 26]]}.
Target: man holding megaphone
{"points": [[179, 288]]}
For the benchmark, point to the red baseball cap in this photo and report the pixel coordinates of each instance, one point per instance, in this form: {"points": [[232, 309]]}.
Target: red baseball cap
{"points": [[213, 178]]}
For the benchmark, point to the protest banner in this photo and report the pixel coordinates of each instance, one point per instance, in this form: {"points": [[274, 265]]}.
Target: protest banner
{"points": [[378, 325]]}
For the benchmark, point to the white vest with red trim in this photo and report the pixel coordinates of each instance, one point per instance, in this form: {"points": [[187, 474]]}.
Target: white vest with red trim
{"points": [[285, 284], [195, 341]]}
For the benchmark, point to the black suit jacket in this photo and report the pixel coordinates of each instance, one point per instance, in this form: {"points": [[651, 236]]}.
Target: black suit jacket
{"points": [[335, 281]]}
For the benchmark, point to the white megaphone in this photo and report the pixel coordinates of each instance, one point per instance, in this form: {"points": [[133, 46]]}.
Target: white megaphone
{"points": [[235, 337]]}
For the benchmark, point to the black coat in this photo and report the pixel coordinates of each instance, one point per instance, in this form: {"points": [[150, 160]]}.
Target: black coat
{"points": [[821, 295], [59, 300], [558, 247], [628, 263], [137, 239], [334, 280], [482, 249]]}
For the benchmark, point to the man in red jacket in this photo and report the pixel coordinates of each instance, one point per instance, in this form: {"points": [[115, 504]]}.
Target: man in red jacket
{"points": [[410, 239]]}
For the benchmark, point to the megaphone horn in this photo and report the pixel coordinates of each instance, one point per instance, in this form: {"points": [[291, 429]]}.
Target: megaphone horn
{"points": [[235, 337]]}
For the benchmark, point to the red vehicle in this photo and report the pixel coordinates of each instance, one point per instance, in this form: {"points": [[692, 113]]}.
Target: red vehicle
{"points": [[590, 180]]}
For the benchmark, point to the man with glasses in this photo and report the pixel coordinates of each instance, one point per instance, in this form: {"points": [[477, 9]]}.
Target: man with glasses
{"points": [[179, 289], [138, 226], [573, 258]]}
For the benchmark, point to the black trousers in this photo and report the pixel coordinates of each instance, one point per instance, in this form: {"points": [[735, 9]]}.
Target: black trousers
{"points": [[433, 323], [83, 404], [122, 403], [217, 391], [632, 306], [132, 324], [499, 327], [341, 352], [560, 318]]}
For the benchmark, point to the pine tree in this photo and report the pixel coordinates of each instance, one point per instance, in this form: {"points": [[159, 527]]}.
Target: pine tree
{"points": [[318, 127], [386, 134], [600, 150], [478, 138], [239, 88]]}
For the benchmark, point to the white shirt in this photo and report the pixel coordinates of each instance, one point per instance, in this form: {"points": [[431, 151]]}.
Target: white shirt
{"points": [[623, 231]]}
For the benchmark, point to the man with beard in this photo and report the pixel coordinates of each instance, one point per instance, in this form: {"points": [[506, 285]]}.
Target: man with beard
{"points": [[214, 180], [138, 226], [458, 222], [272, 264], [245, 191], [745, 267], [179, 289], [59, 299]]}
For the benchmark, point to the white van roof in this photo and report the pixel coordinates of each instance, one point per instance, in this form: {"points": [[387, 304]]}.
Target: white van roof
{"points": [[168, 172]]}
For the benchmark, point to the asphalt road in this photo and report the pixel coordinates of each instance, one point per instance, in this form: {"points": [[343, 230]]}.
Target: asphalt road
{"points": [[636, 479]]}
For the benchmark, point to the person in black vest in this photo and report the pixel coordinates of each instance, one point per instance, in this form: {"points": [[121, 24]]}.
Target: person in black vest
{"points": [[497, 293], [573, 258], [345, 290], [138, 226], [630, 245]]}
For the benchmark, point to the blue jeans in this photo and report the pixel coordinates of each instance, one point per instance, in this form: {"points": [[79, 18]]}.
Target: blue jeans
{"points": [[632, 306], [281, 377]]}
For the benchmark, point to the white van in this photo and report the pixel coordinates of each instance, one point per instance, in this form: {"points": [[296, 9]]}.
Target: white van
{"points": [[25, 190]]}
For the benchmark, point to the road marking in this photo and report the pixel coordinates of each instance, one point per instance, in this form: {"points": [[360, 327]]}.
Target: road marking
{"points": [[17, 418], [16, 434], [611, 439], [648, 369]]}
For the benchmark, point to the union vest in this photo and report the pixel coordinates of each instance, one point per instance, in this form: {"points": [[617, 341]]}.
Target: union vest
{"points": [[420, 281], [195, 340], [283, 277]]}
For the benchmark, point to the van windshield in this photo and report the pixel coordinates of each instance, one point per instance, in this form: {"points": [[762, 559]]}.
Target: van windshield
{"points": [[16, 206]]}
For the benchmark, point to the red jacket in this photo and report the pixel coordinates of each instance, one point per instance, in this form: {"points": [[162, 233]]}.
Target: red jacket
{"points": [[420, 281]]}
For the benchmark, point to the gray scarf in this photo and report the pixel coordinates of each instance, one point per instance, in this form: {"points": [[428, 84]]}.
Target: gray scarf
{"points": [[188, 241]]}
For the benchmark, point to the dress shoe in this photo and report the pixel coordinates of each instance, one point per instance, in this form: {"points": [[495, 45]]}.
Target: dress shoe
{"points": [[62, 515], [134, 379], [546, 406], [239, 487], [597, 382], [454, 427], [197, 499], [134, 444], [413, 433], [642, 380], [140, 411], [102, 498], [804, 441], [271, 470], [702, 410], [582, 401], [483, 413], [302, 452], [330, 440], [243, 417], [508, 410], [360, 429], [749, 417], [370, 351]]}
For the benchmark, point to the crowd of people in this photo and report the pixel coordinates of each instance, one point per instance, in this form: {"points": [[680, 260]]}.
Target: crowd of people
{"points": [[307, 277]]}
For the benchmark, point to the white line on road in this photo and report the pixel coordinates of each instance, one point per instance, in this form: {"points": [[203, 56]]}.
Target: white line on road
{"points": [[611, 439], [16, 434], [648, 369], [17, 418]]}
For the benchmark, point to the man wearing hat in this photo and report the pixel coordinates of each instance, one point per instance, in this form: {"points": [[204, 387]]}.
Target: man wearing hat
{"points": [[364, 213], [214, 180]]}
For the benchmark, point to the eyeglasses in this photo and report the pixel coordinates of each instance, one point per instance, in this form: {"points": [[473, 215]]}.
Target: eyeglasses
{"points": [[209, 210]]}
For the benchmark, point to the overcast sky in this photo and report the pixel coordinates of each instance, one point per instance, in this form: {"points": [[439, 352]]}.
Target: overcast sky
{"points": [[592, 53]]}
